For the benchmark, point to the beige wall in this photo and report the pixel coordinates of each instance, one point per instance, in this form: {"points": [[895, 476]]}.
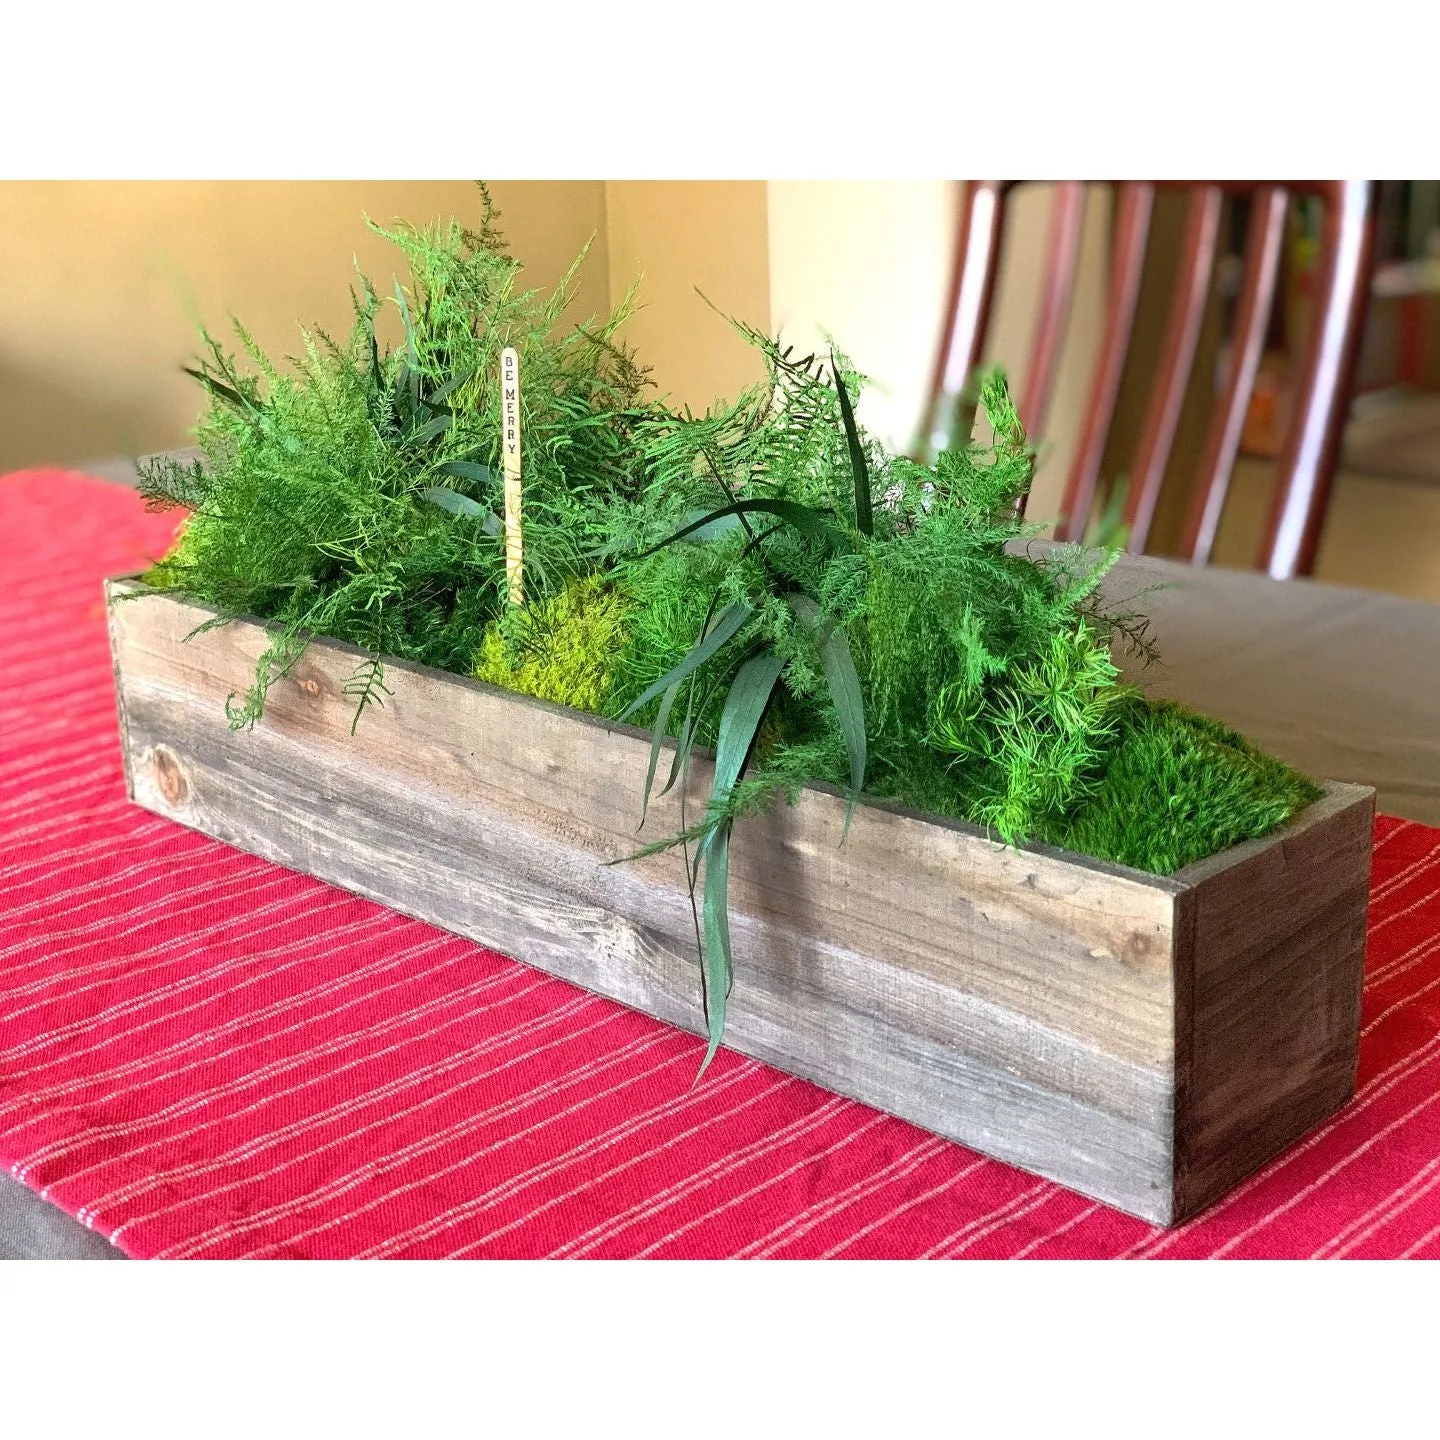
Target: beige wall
{"points": [[681, 236], [100, 283], [869, 262]]}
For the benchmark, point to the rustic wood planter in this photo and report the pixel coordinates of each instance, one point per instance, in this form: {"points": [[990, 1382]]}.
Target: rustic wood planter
{"points": [[1148, 1041]]}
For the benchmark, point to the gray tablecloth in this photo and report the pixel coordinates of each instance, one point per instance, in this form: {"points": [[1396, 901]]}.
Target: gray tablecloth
{"points": [[1344, 684]]}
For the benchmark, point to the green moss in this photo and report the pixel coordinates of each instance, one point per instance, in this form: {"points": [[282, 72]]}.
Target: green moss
{"points": [[1177, 788], [563, 648]]}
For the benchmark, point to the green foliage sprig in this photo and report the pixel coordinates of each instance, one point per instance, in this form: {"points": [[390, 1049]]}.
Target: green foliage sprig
{"points": [[355, 493]]}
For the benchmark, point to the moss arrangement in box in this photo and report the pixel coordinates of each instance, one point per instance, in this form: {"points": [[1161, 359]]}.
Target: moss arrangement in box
{"points": [[764, 579]]}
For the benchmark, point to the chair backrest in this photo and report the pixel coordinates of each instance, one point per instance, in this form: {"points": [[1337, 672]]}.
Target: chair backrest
{"points": [[1323, 374]]}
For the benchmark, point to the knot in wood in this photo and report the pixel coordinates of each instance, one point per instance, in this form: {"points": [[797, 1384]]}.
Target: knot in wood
{"points": [[309, 681], [169, 777]]}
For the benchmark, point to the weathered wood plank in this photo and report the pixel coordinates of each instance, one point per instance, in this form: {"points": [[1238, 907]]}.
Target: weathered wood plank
{"points": [[1040, 1007]]}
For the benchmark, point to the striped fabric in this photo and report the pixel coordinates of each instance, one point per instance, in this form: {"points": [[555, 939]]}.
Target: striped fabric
{"points": [[203, 1055]]}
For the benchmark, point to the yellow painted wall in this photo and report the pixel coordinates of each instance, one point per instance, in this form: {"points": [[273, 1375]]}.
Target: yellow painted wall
{"points": [[100, 283], [869, 261], [680, 236]]}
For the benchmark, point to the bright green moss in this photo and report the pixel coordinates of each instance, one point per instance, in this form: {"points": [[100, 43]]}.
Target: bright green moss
{"points": [[1177, 788], [564, 648]]}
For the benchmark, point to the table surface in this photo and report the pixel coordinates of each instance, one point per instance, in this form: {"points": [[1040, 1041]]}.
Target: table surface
{"points": [[1342, 683]]}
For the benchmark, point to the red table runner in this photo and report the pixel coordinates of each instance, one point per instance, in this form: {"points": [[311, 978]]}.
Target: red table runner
{"points": [[204, 1055]]}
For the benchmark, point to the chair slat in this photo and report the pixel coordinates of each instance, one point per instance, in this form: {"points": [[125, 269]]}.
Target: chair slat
{"points": [[1132, 229], [967, 315], [1307, 460], [1066, 216], [1177, 360], [1263, 239]]}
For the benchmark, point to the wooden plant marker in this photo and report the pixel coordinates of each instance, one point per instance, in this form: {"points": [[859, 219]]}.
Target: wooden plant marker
{"points": [[510, 448]]}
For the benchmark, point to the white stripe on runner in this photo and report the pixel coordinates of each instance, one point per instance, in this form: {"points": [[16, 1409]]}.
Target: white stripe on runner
{"points": [[670, 1109], [848, 1138], [827, 1207], [368, 1170], [905, 1206], [1378, 1216], [613, 1226], [1056, 1233], [229, 1089], [246, 1150], [257, 1020]]}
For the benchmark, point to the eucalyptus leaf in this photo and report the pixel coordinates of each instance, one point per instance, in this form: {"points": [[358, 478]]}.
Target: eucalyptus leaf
{"points": [[468, 470], [430, 430], [463, 506], [662, 725], [450, 386], [219, 389], [844, 684], [717, 968], [859, 470], [740, 717], [803, 517], [729, 621], [680, 763], [744, 709], [708, 529]]}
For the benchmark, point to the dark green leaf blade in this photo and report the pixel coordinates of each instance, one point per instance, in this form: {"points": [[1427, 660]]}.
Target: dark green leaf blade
{"points": [[707, 528], [463, 506], [864, 515], [430, 430], [844, 683], [740, 718], [717, 966], [662, 726], [219, 389], [803, 517], [468, 470], [745, 706], [453, 501], [449, 387], [730, 619]]}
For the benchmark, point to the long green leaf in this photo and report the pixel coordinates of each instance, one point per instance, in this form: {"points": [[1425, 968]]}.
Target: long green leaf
{"points": [[864, 516], [219, 389], [844, 683], [730, 619], [745, 706], [410, 354], [717, 968], [468, 470], [463, 506], [449, 387], [740, 718], [662, 726], [680, 763], [430, 430], [803, 517], [708, 529]]}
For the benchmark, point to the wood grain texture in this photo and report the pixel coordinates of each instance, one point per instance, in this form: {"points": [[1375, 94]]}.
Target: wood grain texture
{"points": [[1065, 1015]]}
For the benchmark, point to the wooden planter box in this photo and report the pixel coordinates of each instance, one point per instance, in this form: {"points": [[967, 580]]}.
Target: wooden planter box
{"points": [[1147, 1041]]}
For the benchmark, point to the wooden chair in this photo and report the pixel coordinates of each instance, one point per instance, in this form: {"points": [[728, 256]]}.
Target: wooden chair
{"points": [[1324, 373]]}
